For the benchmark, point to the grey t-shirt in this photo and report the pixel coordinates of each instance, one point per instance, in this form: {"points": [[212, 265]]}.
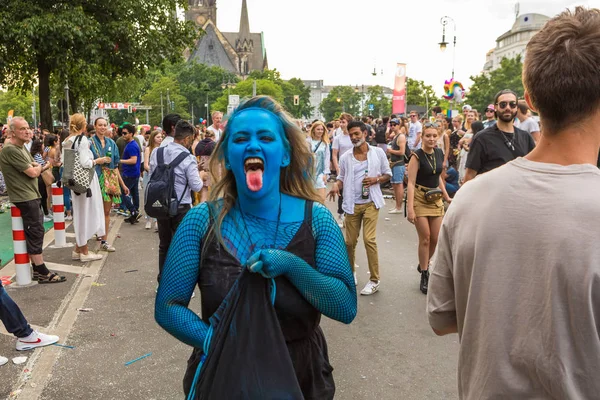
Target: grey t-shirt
{"points": [[517, 268], [529, 125]]}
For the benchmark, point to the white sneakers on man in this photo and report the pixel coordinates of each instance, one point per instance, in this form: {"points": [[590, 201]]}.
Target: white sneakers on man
{"points": [[370, 288], [90, 257], [395, 211], [35, 339]]}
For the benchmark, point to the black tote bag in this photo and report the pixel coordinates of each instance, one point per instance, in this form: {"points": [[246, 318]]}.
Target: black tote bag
{"points": [[246, 353]]}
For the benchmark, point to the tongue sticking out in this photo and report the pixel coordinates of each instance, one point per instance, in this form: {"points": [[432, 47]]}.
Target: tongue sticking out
{"points": [[254, 179]]}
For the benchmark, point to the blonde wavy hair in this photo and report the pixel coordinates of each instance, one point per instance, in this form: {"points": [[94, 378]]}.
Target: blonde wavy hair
{"points": [[77, 123], [325, 134], [295, 180]]}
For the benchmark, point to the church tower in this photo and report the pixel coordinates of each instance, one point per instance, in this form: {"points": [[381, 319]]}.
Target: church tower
{"points": [[201, 11], [244, 45]]}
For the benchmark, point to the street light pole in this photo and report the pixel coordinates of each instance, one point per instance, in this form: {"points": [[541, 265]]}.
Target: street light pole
{"points": [[161, 108], [34, 114], [444, 21], [67, 98]]}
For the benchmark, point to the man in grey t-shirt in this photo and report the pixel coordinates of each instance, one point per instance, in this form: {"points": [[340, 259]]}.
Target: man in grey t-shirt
{"points": [[516, 276], [526, 122]]}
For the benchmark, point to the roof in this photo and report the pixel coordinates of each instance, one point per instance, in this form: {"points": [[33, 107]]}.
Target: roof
{"points": [[257, 59], [524, 23]]}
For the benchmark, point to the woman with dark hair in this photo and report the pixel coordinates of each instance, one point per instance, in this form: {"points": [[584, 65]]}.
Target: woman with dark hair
{"points": [[263, 217]]}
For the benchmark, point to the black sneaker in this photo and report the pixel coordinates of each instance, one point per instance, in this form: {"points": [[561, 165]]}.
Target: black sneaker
{"points": [[424, 281], [138, 216], [132, 218]]}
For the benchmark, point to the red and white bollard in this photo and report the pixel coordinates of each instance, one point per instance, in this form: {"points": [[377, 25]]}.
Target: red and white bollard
{"points": [[58, 208], [22, 266]]}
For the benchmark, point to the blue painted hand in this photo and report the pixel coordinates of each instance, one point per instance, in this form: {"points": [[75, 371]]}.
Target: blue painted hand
{"points": [[269, 263]]}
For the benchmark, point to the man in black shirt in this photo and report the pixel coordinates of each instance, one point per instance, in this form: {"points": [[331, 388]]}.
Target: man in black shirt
{"points": [[501, 143]]}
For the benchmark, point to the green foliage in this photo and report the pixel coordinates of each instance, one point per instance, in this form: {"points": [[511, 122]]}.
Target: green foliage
{"points": [[92, 44], [349, 101], [485, 86], [420, 94], [18, 102], [244, 89], [382, 105], [153, 98]]}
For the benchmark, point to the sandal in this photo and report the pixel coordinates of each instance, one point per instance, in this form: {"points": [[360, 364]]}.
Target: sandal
{"points": [[53, 277]]}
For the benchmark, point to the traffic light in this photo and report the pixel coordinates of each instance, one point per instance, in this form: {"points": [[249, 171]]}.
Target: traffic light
{"points": [[296, 100]]}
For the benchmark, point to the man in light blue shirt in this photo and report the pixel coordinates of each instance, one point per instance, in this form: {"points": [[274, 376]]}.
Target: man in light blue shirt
{"points": [[187, 178]]}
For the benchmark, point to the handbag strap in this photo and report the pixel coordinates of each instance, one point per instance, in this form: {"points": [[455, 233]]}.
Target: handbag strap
{"points": [[317, 148]]}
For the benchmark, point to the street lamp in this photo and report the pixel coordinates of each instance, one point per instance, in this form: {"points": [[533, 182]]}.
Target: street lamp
{"points": [[443, 44], [67, 97], [229, 85], [339, 100]]}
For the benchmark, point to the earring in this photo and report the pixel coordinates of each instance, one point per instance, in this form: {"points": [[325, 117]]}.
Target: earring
{"points": [[227, 166]]}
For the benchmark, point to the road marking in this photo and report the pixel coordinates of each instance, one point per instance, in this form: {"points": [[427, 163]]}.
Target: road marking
{"points": [[44, 359]]}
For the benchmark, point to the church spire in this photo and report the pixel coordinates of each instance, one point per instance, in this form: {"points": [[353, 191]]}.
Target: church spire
{"points": [[244, 22]]}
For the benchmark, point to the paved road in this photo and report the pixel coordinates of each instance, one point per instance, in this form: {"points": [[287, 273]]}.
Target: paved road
{"points": [[388, 352]]}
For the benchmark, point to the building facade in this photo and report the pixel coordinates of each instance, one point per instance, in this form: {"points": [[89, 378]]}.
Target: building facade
{"points": [[513, 43], [316, 95], [237, 52]]}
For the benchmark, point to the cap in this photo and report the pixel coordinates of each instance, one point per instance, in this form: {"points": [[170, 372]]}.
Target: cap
{"points": [[491, 107], [467, 107], [395, 121]]}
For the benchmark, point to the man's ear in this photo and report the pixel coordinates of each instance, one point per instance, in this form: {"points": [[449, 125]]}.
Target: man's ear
{"points": [[529, 103]]}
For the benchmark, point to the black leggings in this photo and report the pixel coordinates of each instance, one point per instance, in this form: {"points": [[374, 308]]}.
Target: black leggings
{"points": [[44, 194]]}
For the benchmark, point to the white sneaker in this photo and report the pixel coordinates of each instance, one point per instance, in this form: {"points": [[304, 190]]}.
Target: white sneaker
{"points": [[107, 247], [148, 225], [68, 218], [47, 219], [75, 256], [193, 294], [3, 360], [370, 288], [341, 220], [90, 257], [395, 211], [355, 280], [36, 339]]}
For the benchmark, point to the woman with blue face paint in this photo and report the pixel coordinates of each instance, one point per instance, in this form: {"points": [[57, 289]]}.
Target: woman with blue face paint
{"points": [[264, 215]]}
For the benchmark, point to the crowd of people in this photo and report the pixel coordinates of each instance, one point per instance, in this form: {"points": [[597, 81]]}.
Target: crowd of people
{"points": [[485, 193]]}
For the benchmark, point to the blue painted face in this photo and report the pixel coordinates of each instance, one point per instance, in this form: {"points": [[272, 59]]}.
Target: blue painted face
{"points": [[256, 151]]}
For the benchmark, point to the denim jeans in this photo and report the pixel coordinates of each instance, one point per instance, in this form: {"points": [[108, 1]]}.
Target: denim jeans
{"points": [[166, 231], [132, 184], [13, 319]]}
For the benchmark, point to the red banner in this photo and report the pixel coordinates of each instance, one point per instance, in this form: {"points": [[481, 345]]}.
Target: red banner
{"points": [[399, 96]]}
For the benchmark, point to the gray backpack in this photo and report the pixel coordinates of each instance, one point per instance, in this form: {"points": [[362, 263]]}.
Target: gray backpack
{"points": [[75, 176]]}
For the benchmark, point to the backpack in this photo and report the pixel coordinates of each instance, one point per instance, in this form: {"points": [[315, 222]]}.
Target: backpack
{"points": [[160, 190], [380, 133], [75, 176]]}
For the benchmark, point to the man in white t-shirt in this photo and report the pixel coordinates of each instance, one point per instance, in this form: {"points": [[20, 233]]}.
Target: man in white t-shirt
{"points": [[516, 271], [526, 122], [217, 117], [341, 145], [414, 131]]}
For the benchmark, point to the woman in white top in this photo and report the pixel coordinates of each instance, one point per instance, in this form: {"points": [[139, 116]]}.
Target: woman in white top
{"points": [[88, 212], [318, 143]]}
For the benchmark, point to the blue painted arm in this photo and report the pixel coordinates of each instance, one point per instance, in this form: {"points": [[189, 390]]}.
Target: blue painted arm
{"points": [[330, 287], [179, 278]]}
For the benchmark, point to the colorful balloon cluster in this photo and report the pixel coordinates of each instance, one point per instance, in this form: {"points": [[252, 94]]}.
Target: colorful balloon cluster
{"points": [[454, 91]]}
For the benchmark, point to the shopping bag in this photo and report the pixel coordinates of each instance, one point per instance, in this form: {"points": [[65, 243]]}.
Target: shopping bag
{"points": [[246, 356]]}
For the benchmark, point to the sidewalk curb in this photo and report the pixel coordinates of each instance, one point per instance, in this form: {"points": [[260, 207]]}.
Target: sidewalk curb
{"points": [[62, 323]]}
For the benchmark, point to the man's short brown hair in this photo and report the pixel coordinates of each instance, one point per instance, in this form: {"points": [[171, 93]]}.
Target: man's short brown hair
{"points": [[347, 117], [560, 73]]}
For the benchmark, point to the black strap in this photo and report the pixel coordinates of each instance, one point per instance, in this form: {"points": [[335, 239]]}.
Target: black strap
{"points": [[308, 211], [317, 148]]}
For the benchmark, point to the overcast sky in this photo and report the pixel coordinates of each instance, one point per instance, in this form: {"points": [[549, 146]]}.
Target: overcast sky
{"points": [[341, 41]]}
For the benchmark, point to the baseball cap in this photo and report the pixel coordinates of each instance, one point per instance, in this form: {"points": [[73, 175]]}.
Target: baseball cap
{"points": [[491, 107], [467, 107], [395, 121]]}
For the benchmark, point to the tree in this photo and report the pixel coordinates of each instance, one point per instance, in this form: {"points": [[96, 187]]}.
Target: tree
{"points": [[295, 87], [18, 102], [201, 84], [179, 104], [340, 99], [244, 89], [420, 94], [117, 39], [381, 104], [485, 86]]}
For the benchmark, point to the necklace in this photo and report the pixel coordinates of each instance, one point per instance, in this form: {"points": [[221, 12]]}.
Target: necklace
{"points": [[509, 143], [274, 245], [430, 157]]}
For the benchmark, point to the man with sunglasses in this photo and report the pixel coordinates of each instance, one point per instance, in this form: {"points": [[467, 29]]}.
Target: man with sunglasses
{"points": [[501, 143], [414, 131], [490, 114]]}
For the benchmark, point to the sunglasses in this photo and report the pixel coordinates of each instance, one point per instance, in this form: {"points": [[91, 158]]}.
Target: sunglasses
{"points": [[431, 125], [393, 124], [489, 110], [503, 104], [413, 115]]}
